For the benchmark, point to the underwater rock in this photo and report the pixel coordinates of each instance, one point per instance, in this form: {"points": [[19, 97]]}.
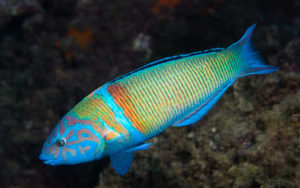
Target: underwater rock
{"points": [[250, 138]]}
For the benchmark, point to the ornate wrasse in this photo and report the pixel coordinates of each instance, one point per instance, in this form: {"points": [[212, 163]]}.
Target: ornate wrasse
{"points": [[116, 119]]}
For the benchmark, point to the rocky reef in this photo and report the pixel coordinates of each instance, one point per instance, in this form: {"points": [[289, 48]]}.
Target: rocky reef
{"points": [[53, 53]]}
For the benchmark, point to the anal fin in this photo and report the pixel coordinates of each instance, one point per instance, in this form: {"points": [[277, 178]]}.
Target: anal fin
{"points": [[197, 114]]}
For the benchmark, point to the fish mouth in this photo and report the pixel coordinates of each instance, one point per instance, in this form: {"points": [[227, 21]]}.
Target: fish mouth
{"points": [[47, 160]]}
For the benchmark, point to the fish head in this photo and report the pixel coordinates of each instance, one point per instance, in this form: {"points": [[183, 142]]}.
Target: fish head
{"points": [[72, 141]]}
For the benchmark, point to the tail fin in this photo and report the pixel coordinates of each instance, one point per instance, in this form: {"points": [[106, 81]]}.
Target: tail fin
{"points": [[253, 63]]}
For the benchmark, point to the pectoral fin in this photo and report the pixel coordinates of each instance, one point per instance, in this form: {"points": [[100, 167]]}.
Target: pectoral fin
{"points": [[121, 162]]}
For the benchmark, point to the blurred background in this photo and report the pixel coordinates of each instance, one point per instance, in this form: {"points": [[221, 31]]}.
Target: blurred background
{"points": [[53, 53]]}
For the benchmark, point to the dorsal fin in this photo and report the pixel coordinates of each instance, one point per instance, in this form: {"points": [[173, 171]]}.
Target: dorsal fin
{"points": [[167, 59], [176, 57]]}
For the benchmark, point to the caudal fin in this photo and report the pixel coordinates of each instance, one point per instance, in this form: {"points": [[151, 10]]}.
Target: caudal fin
{"points": [[252, 62]]}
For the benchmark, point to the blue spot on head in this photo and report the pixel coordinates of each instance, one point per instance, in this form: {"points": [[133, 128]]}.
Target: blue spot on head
{"points": [[84, 135]]}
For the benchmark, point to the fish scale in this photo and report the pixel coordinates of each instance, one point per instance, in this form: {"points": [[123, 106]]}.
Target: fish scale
{"points": [[153, 117]]}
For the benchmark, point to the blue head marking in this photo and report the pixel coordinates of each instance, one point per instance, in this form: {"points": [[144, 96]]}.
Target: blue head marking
{"points": [[71, 142]]}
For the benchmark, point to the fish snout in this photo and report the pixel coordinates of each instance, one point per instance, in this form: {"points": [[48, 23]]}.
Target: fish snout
{"points": [[46, 159]]}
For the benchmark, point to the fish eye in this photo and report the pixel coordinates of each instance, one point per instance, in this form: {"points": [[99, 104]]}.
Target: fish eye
{"points": [[60, 142]]}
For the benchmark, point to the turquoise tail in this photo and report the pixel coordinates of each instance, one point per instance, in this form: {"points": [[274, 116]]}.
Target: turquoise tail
{"points": [[253, 63]]}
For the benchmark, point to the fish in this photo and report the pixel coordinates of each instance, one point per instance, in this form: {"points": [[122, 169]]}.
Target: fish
{"points": [[119, 117]]}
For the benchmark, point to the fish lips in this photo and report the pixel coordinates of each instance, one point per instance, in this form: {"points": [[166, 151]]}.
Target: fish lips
{"points": [[47, 160]]}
